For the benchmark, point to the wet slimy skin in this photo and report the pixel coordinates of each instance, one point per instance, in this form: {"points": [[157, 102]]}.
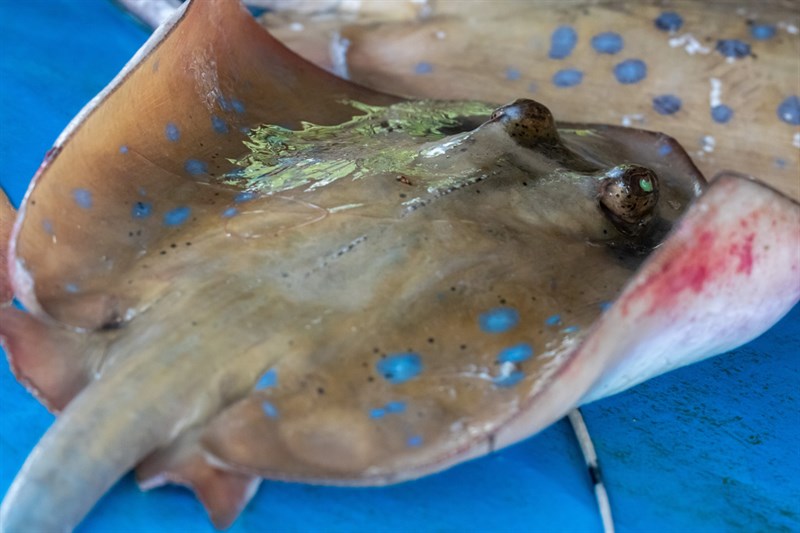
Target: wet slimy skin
{"points": [[348, 293]]}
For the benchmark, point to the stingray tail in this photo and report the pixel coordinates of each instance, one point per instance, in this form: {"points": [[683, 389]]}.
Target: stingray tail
{"points": [[98, 437]]}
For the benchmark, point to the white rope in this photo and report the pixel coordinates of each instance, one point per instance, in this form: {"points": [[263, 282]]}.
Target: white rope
{"points": [[590, 456]]}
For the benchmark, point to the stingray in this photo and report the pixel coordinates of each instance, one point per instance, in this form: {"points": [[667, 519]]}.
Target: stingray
{"points": [[236, 266]]}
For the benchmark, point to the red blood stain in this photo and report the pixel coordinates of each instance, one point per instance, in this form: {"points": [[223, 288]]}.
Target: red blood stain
{"points": [[744, 252], [689, 268]]}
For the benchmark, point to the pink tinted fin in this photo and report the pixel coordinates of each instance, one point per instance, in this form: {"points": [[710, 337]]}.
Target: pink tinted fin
{"points": [[52, 362], [7, 215], [223, 493]]}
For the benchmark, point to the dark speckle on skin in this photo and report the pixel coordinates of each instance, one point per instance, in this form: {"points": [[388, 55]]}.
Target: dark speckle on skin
{"points": [[562, 42], [630, 71], [668, 21], [667, 104], [567, 78], [733, 48], [789, 110]]}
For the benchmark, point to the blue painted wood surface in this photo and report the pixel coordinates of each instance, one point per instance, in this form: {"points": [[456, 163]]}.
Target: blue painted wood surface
{"points": [[706, 448]]}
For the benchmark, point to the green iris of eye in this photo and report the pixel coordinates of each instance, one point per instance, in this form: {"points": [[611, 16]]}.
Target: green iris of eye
{"points": [[646, 184]]}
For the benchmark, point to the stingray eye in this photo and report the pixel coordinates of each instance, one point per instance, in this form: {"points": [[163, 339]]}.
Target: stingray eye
{"points": [[628, 197]]}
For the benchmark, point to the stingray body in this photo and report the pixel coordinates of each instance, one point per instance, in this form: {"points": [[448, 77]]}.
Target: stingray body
{"points": [[361, 291]]}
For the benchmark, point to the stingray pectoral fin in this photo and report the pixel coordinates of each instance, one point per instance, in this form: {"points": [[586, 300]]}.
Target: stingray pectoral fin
{"points": [[54, 363], [223, 493], [726, 274], [7, 215]]}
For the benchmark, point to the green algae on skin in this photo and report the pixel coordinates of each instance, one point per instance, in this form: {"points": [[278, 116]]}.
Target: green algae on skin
{"points": [[382, 140]]}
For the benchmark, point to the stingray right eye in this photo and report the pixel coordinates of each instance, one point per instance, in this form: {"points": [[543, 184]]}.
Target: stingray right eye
{"points": [[628, 196]]}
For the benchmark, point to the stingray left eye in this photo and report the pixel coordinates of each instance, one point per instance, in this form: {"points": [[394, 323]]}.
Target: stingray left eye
{"points": [[628, 196]]}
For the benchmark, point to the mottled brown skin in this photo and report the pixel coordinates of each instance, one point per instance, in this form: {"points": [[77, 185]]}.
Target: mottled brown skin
{"points": [[628, 204], [156, 352]]}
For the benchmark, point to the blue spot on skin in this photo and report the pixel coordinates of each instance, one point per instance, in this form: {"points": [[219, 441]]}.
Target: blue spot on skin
{"points": [[533, 87], [515, 354], [237, 105], [667, 104], [269, 410], [71, 288], [721, 113], [219, 125], [423, 67], [388, 409], [607, 43], [400, 367], [172, 132], [553, 320], [605, 306], [244, 197], [230, 212], [224, 104], [123, 149], [513, 74], [141, 210], [510, 380], [567, 77], [789, 110], [571, 329], [780, 163], [763, 32], [733, 48], [562, 42], [414, 441], [47, 226], [664, 150], [630, 71], [268, 379], [669, 21], [195, 167], [83, 198], [395, 407], [498, 320], [177, 216]]}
